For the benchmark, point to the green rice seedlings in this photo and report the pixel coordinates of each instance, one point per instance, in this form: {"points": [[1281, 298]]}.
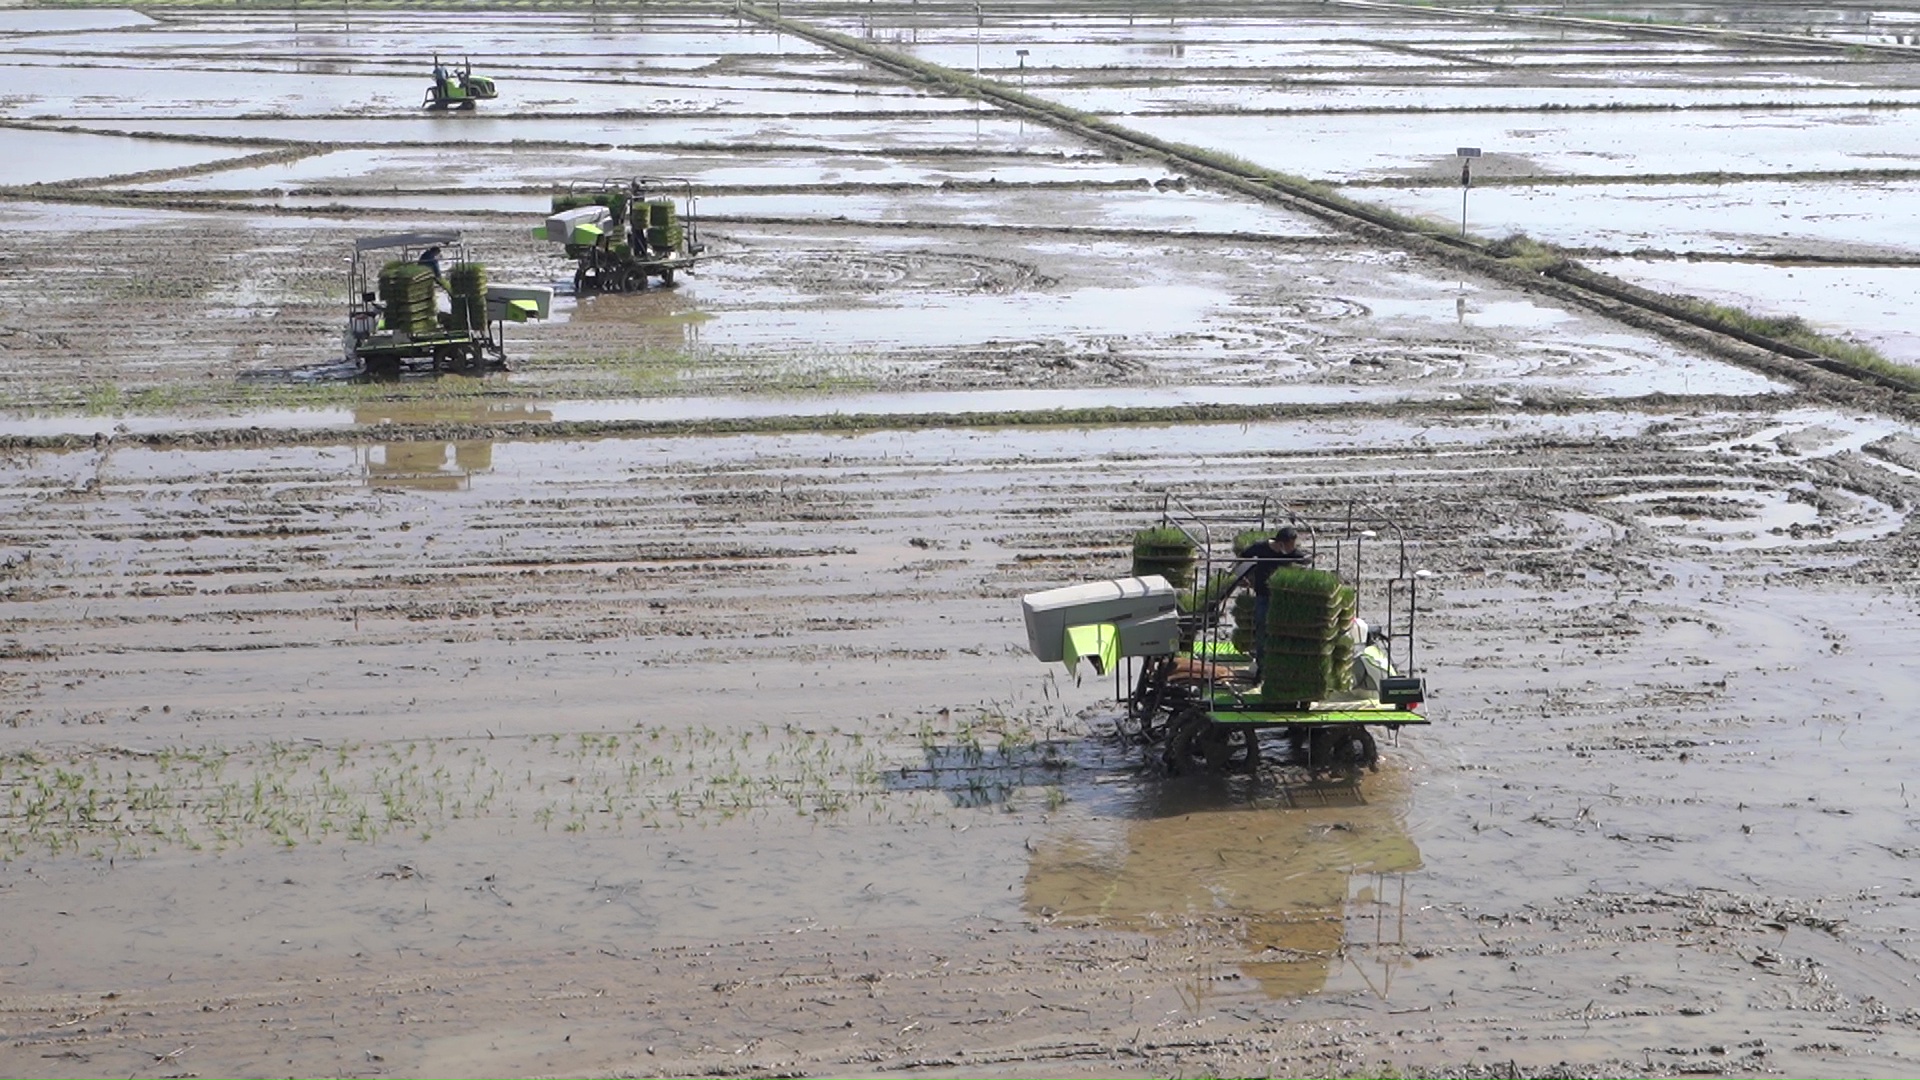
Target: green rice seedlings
{"points": [[1308, 616], [1165, 551]]}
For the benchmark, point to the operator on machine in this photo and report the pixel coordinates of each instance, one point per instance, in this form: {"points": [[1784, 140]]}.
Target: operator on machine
{"points": [[1280, 550]]}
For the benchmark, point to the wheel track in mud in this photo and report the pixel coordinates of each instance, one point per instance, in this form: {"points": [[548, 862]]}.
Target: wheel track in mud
{"points": [[819, 270], [153, 565], [1833, 378], [554, 431]]}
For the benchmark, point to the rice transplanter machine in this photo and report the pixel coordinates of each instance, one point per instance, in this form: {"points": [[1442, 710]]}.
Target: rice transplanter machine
{"points": [[417, 300], [1179, 638], [623, 233]]}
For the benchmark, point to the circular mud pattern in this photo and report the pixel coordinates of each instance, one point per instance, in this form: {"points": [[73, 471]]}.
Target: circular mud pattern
{"points": [[1319, 308], [825, 270]]}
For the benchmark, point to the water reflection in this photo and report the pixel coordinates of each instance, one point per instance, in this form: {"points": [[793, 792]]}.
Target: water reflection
{"points": [[666, 318], [432, 464], [1306, 876]]}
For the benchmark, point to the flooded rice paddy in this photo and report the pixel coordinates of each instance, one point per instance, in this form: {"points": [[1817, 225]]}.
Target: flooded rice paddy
{"points": [[658, 705], [1878, 308]]}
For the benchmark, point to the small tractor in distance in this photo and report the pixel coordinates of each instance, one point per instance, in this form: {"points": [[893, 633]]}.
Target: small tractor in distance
{"points": [[457, 89], [626, 231]]}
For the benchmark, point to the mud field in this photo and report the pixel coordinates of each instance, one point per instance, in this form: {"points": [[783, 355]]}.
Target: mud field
{"points": [[660, 706]]}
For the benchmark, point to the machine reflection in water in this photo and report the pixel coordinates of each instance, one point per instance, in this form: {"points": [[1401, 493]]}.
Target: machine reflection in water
{"points": [[430, 464], [1305, 882]]}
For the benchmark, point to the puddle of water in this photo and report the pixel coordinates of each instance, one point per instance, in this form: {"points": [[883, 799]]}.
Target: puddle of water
{"points": [[1875, 302], [696, 408], [523, 461], [484, 167], [1630, 55], [45, 157], [1188, 211], [1761, 217], [432, 466], [326, 38], [1093, 30], [1477, 310], [986, 132], [1171, 212], [1760, 140], [1002, 57], [1514, 341], [66, 217], [426, 466], [1736, 519], [1087, 317], [1294, 874], [1796, 88], [18, 21], [46, 91]]}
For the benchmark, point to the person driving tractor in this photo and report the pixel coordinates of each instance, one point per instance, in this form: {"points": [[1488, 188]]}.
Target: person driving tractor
{"points": [[1281, 549]]}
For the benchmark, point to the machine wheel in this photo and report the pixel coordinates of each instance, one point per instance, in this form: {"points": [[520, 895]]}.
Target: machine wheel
{"points": [[1182, 730], [1197, 741], [666, 276], [1230, 747], [1342, 750]]}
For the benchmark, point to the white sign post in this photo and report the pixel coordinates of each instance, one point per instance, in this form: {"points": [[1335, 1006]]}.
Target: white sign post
{"points": [[1466, 155]]}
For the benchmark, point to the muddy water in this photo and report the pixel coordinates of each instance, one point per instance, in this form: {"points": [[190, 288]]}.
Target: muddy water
{"points": [[477, 167], [678, 756], [1001, 55], [1294, 870], [1877, 308], [685, 408], [44, 157], [1014, 207], [987, 131], [44, 92], [611, 707], [1332, 93], [1753, 218], [42, 22], [881, 317], [1758, 140]]}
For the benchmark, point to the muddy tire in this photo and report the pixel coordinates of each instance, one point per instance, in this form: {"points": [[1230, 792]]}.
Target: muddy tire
{"points": [[1197, 743], [1183, 730], [1342, 751], [1230, 748], [666, 277]]}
